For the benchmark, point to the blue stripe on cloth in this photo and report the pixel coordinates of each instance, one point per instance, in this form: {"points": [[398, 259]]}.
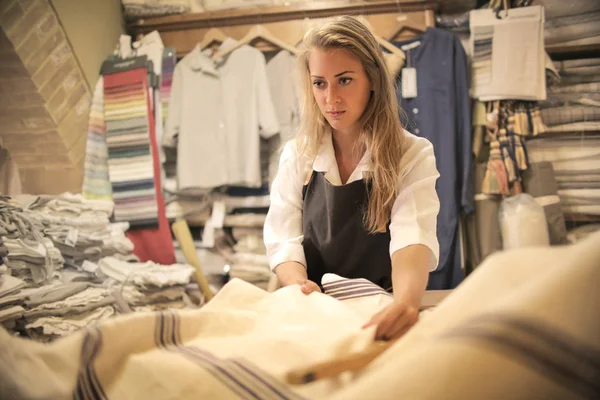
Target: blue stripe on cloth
{"points": [[242, 377]]}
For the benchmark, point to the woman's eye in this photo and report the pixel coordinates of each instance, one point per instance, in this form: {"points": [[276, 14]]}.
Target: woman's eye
{"points": [[345, 80], [319, 84]]}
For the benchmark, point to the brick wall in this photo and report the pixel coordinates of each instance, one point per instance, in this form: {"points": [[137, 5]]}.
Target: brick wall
{"points": [[44, 100]]}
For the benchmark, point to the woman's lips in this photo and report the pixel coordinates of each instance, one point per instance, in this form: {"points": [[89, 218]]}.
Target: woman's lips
{"points": [[335, 114]]}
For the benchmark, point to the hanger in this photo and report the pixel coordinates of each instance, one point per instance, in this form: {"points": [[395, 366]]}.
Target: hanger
{"points": [[389, 47], [211, 37], [382, 41], [258, 32], [404, 24]]}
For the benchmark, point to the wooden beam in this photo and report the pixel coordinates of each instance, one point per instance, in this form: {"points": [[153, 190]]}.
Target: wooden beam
{"points": [[260, 15]]}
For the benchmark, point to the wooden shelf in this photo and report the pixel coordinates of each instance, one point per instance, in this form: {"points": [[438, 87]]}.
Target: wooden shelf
{"points": [[270, 14], [582, 218], [566, 52]]}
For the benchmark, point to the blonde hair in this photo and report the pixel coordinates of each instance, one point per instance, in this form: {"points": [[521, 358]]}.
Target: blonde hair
{"points": [[381, 131]]}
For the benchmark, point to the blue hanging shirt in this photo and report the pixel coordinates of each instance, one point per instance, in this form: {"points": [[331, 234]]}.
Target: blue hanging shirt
{"points": [[441, 113]]}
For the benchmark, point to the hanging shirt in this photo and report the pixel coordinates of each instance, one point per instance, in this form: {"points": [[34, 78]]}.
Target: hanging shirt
{"points": [[281, 72], [413, 216], [440, 113], [195, 122], [249, 113], [216, 111]]}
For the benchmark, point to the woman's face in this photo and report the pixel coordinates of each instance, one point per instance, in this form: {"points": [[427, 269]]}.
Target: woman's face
{"points": [[340, 86]]}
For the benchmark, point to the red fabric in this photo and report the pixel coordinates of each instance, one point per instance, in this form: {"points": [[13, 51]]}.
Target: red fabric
{"points": [[154, 244]]}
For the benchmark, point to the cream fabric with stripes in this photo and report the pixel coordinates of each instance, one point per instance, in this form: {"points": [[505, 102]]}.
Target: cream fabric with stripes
{"points": [[523, 325]]}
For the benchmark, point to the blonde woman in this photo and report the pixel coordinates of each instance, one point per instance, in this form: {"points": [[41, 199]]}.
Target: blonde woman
{"points": [[355, 193]]}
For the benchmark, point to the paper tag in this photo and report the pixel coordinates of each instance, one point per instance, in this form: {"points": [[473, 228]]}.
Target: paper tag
{"points": [[208, 235], [409, 83], [72, 236], [218, 214], [411, 46]]}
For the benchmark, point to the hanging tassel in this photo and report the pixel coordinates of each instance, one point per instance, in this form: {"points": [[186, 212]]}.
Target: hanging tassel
{"points": [[520, 155], [495, 180], [538, 124], [505, 147]]}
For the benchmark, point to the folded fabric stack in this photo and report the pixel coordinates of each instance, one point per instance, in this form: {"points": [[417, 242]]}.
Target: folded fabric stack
{"points": [[252, 268], [54, 310], [573, 105], [572, 23], [148, 286], [30, 255], [81, 230], [249, 261], [154, 8], [572, 114]]}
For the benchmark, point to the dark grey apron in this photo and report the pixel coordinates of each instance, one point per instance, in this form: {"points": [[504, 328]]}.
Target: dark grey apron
{"points": [[335, 239]]}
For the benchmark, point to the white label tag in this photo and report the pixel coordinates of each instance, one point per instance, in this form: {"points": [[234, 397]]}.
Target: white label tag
{"points": [[72, 236], [208, 235], [411, 46], [409, 83], [218, 214]]}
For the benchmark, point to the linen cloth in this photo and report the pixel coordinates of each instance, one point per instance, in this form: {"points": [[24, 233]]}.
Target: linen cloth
{"points": [[523, 325]]}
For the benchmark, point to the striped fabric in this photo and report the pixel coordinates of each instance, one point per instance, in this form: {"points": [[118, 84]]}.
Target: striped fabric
{"points": [[130, 165], [346, 289], [523, 326], [96, 184]]}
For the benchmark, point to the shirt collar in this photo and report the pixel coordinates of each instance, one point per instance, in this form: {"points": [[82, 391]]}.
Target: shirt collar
{"points": [[325, 161], [202, 62]]}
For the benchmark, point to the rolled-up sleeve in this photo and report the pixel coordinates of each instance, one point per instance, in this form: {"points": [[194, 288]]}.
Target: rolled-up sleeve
{"points": [[415, 210], [283, 227]]}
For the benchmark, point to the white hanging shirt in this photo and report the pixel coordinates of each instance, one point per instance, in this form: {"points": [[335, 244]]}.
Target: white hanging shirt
{"points": [[414, 213], [218, 111], [249, 113], [196, 123], [281, 71]]}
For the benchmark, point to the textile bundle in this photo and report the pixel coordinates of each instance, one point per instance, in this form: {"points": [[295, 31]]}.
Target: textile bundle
{"points": [[519, 327], [51, 286], [572, 113]]}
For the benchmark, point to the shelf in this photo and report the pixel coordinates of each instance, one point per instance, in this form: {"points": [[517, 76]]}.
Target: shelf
{"points": [[567, 52], [582, 218], [269, 14]]}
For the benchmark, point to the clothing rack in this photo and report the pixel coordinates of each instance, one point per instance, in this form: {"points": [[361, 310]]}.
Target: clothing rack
{"points": [[288, 23]]}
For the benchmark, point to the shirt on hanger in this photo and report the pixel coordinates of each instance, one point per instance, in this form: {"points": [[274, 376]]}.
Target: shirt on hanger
{"points": [[413, 217], [441, 113], [281, 73], [249, 113], [218, 113]]}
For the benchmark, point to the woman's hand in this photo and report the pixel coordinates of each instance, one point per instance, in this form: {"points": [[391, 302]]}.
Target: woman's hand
{"points": [[394, 320], [308, 287]]}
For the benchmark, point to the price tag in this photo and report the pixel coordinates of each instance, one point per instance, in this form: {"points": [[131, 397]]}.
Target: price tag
{"points": [[72, 236], [208, 235], [409, 83], [218, 214]]}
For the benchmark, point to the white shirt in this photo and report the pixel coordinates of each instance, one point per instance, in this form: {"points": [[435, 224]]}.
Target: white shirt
{"points": [[195, 117], [414, 213], [281, 71], [249, 113], [219, 111]]}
